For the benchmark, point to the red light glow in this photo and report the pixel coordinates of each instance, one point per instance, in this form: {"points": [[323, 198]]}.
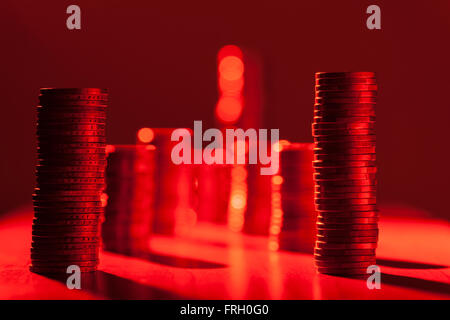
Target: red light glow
{"points": [[229, 109], [231, 68], [231, 82], [145, 135]]}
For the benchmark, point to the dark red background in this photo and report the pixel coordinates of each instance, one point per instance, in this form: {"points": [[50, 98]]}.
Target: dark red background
{"points": [[159, 59]]}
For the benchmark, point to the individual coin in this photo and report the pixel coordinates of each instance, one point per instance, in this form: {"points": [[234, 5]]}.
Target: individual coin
{"points": [[330, 150], [90, 91], [67, 175], [328, 119], [48, 180], [345, 157], [64, 168], [339, 202], [339, 145], [345, 207], [347, 239], [338, 220], [65, 246], [323, 214], [69, 115], [58, 270], [345, 75], [343, 125], [349, 233], [346, 81], [69, 104], [346, 113], [342, 164], [69, 151], [43, 253], [71, 163], [345, 94], [343, 252], [344, 176], [76, 119], [351, 195], [335, 170], [76, 96], [346, 183], [57, 221], [62, 228], [64, 239], [52, 198], [66, 204], [65, 217], [347, 214], [347, 227], [344, 189], [327, 245], [338, 133], [71, 157], [44, 132], [89, 264], [67, 193], [351, 264], [346, 87], [76, 127], [349, 100], [63, 210], [73, 139], [64, 233], [344, 107], [343, 259]]}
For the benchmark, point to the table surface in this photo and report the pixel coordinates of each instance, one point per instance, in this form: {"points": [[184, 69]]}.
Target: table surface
{"points": [[211, 262]]}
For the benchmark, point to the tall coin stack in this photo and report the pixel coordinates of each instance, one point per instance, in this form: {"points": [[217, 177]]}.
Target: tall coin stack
{"points": [[297, 198], [345, 172], [69, 179], [130, 190]]}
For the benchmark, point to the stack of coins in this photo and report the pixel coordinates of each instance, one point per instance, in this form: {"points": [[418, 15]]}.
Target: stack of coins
{"points": [[213, 192], [174, 190], [345, 172], [297, 198], [130, 198], [257, 215], [70, 179]]}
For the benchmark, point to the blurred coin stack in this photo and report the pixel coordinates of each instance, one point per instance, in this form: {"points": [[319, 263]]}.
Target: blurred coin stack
{"points": [[257, 215], [70, 179], [213, 192], [130, 192], [345, 172], [175, 188], [298, 228]]}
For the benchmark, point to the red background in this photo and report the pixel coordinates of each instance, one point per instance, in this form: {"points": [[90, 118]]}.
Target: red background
{"points": [[159, 61]]}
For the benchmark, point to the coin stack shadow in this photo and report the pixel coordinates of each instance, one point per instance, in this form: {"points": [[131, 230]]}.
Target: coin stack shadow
{"points": [[297, 198], [130, 189], [69, 179], [345, 172]]}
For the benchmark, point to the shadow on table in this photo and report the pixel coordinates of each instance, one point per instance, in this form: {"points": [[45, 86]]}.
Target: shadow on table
{"points": [[170, 260], [110, 286], [415, 283], [407, 264]]}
